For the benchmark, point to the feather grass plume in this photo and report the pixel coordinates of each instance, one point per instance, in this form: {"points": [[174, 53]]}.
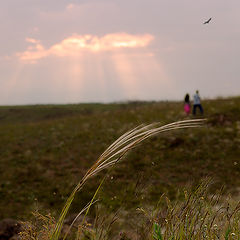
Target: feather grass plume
{"points": [[116, 151]]}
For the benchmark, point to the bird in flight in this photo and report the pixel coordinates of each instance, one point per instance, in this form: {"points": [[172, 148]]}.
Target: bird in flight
{"points": [[207, 21]]}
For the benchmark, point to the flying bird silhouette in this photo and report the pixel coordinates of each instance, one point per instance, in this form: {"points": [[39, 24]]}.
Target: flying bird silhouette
{"points": [[207, 21]]}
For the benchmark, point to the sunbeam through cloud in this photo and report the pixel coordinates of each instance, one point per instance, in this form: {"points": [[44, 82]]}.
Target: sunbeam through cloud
{"points": [[74, 45]]}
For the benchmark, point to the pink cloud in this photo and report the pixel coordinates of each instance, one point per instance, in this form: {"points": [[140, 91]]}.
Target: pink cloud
{"points": [[70, 6], [74, 45], [32, 40]]}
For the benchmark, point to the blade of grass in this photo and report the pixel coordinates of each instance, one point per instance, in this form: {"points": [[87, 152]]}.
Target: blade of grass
{"points": [[117, 150]]}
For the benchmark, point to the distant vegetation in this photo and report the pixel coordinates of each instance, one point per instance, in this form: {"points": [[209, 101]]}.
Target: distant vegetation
{"points": [[46, 150]]}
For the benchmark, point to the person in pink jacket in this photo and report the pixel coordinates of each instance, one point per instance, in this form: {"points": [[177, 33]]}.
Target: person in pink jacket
{"points": [[187, 105]]}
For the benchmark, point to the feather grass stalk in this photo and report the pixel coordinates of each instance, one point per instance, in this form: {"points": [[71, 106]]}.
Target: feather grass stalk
{"points": [[116, 151]]}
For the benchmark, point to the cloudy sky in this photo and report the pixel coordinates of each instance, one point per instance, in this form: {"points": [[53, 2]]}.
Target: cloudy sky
{"points": [[71, 51]]}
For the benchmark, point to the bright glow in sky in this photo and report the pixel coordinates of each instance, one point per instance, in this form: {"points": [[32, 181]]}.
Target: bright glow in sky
{"points": [[71, 51], [74, 45]]}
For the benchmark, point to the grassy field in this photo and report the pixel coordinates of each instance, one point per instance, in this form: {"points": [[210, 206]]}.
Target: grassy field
{"points": [[45, 150]]}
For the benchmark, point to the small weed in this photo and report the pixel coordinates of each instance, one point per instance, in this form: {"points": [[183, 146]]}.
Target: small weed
{"points": [[157, 234]]}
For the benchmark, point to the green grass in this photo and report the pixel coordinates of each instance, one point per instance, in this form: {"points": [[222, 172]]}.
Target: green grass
{"points": [[198, 216], [114, 154], [46, 150]]}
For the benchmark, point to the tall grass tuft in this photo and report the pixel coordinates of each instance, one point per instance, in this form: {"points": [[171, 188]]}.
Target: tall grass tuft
{"points": [[115, 152], [199, 216]]}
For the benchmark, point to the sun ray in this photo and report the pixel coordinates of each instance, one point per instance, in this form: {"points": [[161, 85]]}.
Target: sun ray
{"points": [[84, 73], [11, 83], [75, 78], [141, 73], [100, 72], [124, 70], [152, 76]]}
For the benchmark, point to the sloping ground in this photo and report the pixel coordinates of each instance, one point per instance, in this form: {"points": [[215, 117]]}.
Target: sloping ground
{"points": [[45, 150]]}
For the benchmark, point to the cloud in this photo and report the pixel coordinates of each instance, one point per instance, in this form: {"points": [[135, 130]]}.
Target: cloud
{"points": [[32, 40], [76, 44], [70, 6]]}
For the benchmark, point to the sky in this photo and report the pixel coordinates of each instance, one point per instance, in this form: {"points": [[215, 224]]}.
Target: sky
{"points": [[73, 51]]}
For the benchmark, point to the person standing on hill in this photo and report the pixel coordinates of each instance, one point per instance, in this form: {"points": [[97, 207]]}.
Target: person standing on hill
{"points": [[187, 105], [197, 103]]}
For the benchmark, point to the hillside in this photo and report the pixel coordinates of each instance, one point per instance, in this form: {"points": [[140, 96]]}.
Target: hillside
{"points": [[45, 150]]}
